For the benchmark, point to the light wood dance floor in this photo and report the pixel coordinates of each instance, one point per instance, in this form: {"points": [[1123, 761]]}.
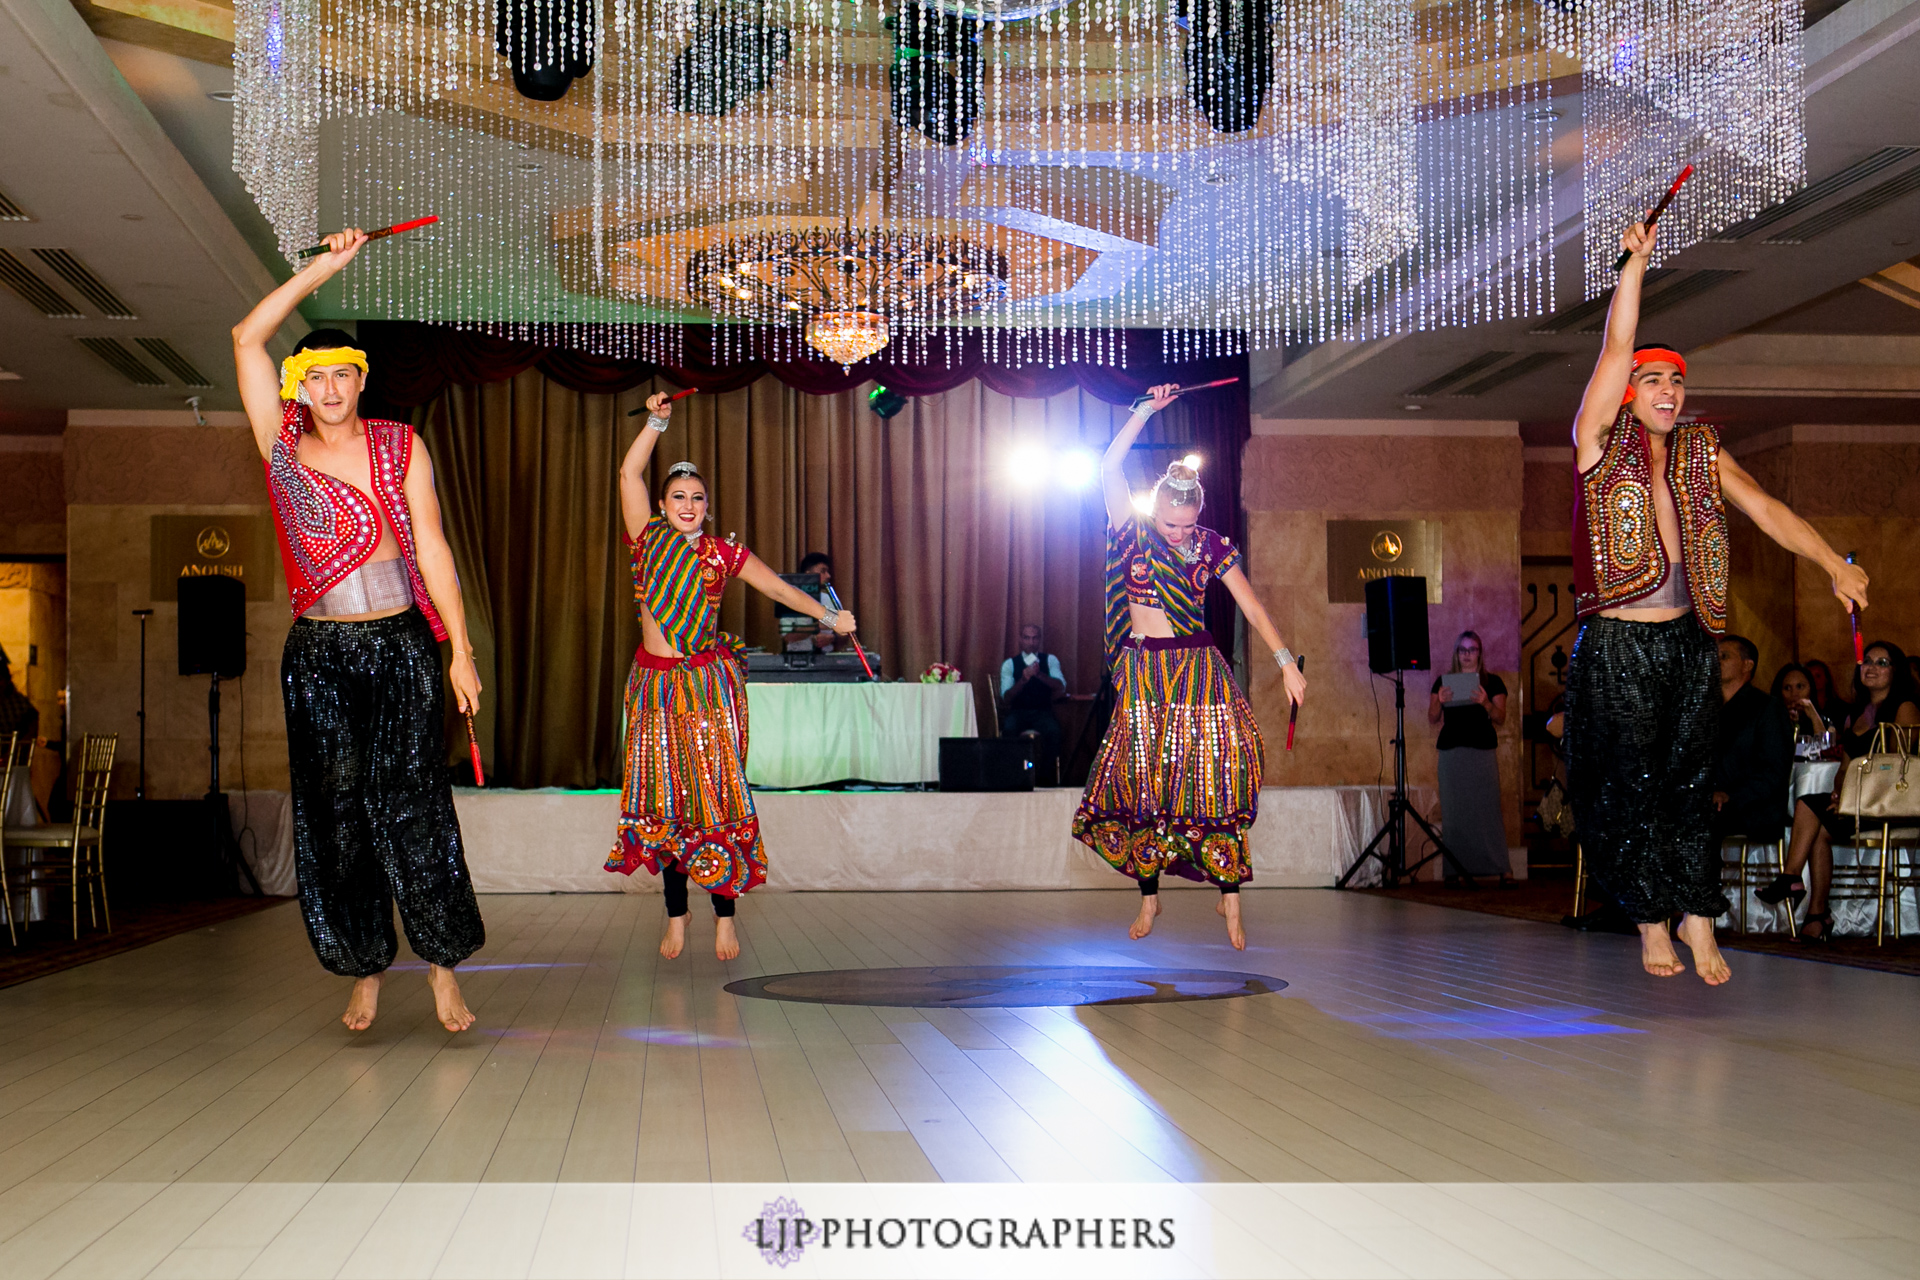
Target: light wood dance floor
{"points": [[1434, 1093]]}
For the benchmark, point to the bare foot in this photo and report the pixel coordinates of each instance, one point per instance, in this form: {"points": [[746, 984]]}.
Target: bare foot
{"points": [[448, 1005], [1143, 923], [1656, 951], [726, 943], [1230, 908], [1697, 933], [675, 940], [362, 1004]]}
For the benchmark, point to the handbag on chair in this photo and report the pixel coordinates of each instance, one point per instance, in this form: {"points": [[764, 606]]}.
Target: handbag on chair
{"points": [[1883, 785]]}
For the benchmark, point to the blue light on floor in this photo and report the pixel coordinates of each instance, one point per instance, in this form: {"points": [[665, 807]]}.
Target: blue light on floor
{"points": [[1490, 1023], [681, 1036]]}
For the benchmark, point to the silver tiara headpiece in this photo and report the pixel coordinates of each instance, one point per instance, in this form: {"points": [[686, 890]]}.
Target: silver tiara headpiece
{"points": [[1186, 482], [682, 469]]}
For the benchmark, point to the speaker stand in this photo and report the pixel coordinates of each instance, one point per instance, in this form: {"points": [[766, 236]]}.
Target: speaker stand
{"points": [[226, 850], [1393, 832]]}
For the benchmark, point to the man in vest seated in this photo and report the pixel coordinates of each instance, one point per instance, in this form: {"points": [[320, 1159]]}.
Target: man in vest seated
{"points": [[1029, 682]]}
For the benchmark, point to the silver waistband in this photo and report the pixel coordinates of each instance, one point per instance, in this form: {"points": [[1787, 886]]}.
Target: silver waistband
{"points": [[374, 587], [1671, 594]]}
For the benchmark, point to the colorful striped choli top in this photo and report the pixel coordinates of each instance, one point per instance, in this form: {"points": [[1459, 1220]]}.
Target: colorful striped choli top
{"points": [[681, 582], [1142, 569]]}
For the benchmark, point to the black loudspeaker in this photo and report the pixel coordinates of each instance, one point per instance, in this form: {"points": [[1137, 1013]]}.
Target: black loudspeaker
{"points": [[985, 764], [213, 627], [1397, 625]]}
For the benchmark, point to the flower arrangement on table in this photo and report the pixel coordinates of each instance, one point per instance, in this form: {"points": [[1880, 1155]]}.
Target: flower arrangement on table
{"points": [[941, 673]]}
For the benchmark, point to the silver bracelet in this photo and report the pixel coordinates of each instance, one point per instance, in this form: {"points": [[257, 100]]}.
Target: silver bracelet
{"points": [[1284, 656], [830, 619], [656, 423]]}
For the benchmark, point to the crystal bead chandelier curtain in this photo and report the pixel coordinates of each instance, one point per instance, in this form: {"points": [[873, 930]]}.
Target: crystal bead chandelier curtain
{"points": [[1249, 173]]}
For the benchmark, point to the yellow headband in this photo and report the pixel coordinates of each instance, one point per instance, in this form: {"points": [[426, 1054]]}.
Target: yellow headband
{"points": [[294, 369]]}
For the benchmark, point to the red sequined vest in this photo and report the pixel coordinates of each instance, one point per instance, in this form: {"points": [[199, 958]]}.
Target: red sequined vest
{"points": [[328, 528], [1617, 553]]}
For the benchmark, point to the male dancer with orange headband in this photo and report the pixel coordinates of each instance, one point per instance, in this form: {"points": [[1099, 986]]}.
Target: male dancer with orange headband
{"points": [[1650, 575]]}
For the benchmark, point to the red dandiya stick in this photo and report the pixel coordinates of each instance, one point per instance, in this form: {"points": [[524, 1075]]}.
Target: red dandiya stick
{"points": [[856, 640], [1180, 391], [679, 395], [381, 234], [473, 749], [1620, 263], [1293, 712], [1853, 617]]}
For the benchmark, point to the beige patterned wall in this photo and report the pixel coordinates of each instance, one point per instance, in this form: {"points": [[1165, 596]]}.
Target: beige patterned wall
{"points": [[32, 508], [1294, 484], [117, 479]]}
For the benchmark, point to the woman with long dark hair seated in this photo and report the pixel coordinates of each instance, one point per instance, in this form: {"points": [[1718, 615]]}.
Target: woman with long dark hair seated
{"points": [[1886, 695]]}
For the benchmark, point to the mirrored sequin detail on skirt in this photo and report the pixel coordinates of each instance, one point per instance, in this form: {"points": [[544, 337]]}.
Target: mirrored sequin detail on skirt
{"points": [[1643, 710], [1176, 783], [685, 800], [373, 818]]}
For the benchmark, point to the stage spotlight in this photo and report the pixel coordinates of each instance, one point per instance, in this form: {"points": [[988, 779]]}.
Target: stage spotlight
{"points": [[935, 78], [1191, 462], [548, 43], [1143, 502], [1027, 464], [725, 64], [1077, 468], [885, 403], [1229, 58]]}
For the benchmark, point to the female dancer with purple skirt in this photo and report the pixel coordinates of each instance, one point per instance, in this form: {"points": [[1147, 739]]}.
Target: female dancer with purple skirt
{"points": [[1176, 784]]}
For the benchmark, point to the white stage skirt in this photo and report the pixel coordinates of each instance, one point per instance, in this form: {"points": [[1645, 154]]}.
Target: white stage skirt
{"points": [[807, 735], [556, 841]]}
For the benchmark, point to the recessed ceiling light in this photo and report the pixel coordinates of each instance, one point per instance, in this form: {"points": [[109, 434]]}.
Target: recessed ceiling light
{"points": [[1544, 114], [222, 95], [529, 167], [1411, 408], [1217, 179]]}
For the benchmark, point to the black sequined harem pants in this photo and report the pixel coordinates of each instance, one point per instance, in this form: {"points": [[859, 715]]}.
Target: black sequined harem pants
{"points": [[1643, 711], [373, 819]]}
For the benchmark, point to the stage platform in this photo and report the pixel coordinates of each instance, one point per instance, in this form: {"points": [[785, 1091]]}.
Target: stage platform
{"points": [[557, 841]]}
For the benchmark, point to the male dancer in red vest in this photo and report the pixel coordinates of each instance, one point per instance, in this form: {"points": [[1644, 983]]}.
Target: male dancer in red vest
{"points": [[1650, 572], [374, 589]]}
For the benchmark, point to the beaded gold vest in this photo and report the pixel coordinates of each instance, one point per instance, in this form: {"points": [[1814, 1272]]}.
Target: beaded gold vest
{"points": [[1617, 554]]}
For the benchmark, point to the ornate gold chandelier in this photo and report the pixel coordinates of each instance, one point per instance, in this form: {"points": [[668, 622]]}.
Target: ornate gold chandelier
{"points": [[848, 285]]}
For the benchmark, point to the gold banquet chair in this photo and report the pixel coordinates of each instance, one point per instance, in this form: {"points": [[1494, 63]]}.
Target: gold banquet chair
{"points": [[13, 772], [82, 837]]}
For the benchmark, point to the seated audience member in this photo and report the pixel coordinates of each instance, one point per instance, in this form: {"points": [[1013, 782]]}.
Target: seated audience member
{"points": [[1754, 763], [1826, 699], [17, 715], [1793, 690], [802, 634], [1029, 682], [1888, 696]]}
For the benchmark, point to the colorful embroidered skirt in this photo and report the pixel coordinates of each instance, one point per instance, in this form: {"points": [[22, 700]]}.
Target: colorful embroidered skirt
{"points": [[1177, 782], [685, 799]]}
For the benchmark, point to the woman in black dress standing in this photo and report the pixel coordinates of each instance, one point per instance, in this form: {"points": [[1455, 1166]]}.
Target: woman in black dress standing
{"points": [[1475, 830]]}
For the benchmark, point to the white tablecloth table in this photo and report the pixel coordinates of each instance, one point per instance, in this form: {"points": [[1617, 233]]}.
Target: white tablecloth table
{"points": [[807, 735]]}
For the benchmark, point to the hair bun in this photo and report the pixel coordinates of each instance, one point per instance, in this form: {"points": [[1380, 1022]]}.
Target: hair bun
{"points": [[1181, 476]]}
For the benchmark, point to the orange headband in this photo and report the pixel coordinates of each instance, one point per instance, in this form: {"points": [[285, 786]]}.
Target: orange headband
{"points": [[1648, 356]]}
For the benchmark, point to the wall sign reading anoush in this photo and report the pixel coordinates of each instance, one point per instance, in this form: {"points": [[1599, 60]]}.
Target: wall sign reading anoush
{"points": [[1358, 551], [229, 546]]}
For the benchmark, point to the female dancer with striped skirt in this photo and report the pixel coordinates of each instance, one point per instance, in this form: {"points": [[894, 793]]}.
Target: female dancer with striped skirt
{"points": [[684, 811], [1176, 784]]}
